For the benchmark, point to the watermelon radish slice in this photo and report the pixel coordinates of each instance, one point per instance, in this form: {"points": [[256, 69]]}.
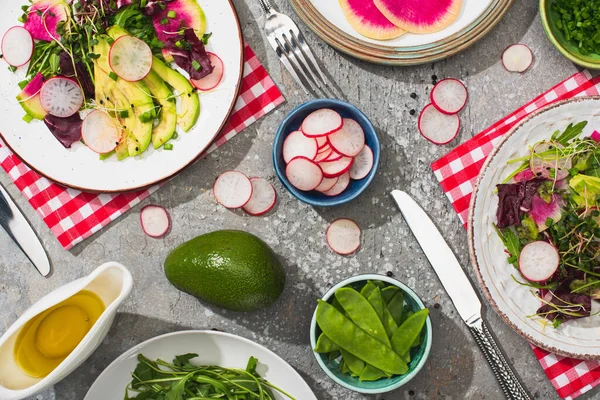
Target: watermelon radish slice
{"points": [[349, 140], [322, 142], [43, 19], [232, 189], [61, 97], [332, 169], [130, 58], [517, 58], [296, 144], [367, 20], [420, 16], [213, 79], [327, 184], [17, 46], [100, 132], [263, 198], [303, 174], [29, 98], [343, 236], [341, 185], [155, 221], [323, 156], [321, 122], [449, 96], [436, 127], [538, 261], [363, 163]]}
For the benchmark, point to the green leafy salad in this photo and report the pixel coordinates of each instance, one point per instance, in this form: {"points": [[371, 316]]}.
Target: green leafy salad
{"points": [[549, 221]]}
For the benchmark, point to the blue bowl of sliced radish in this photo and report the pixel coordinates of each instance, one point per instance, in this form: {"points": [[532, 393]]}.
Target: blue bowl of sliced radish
{"points": [[326, 152]]}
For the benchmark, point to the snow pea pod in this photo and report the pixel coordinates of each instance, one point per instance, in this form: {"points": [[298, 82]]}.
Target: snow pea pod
{"points": [[362, 313], [408, 332], [350, 337], [355, 364], [368, 289], [396, 307], [333, 355], [388, 292], [325, 345], [389, 324], [370, 373], [377, 302]]}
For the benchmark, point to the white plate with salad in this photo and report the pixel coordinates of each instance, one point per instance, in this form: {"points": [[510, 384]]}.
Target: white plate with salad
{"points": [[202, 364], [534, 230], [116, 95]]}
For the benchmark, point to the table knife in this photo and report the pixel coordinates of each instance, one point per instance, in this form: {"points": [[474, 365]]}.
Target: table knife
{"points": [[18, 228], [460, 290]]}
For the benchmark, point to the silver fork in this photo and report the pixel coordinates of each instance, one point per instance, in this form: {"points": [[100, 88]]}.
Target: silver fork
{"points": [[291, 48]]}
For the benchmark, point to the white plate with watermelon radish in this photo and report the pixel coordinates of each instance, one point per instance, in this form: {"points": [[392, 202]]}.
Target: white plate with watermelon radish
{"points": [[512, 301], [379, 30], [79, 166]]}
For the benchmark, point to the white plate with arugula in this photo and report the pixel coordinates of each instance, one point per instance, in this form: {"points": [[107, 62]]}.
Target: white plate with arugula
{"points": [[137, 117], [217, 349], [541, 273]]}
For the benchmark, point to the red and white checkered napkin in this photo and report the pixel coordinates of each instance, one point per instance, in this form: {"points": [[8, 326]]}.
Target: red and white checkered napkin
{"points": [[457, 172], [73, 215]]}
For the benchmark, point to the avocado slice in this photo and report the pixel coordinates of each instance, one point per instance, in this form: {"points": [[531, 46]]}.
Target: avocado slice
{"points": [[168, 114]]}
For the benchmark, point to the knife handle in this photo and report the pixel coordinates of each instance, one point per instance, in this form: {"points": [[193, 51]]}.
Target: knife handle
{"points": [[512, 388]]}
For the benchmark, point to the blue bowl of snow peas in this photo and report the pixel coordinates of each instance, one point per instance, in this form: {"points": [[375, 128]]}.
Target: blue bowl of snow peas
{"points": [[369, 316]]}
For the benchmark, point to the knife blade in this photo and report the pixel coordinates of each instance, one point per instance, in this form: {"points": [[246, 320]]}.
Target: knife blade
{"points": [[18, 228], [461, 291]]}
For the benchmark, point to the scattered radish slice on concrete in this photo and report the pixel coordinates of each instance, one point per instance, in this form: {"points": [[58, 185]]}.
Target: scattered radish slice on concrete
{"points": [[436, 127], [321, 122], [326, 184], [130, 58], [297, 144], [449, 96], [341, 185], [517, 58], [61, 97], [363, 163], [263, 197], [232, 189], [100, 132], [17, 46], [349, 140], [332, 169], [213, 79], [538, 261], [303, 173], [343, 236], [155, 221]]}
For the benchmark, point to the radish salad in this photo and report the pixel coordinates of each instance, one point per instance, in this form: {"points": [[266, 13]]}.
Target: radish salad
{"points": [[548, 218], [117, 75]]}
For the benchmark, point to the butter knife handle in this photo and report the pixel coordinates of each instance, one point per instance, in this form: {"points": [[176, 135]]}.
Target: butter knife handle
{"points": [[512, 388]]}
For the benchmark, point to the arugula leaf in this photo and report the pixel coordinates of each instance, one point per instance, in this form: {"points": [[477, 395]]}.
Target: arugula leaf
{"points": [[512, 243], [570, 133], [184, 360], [251, 367]]}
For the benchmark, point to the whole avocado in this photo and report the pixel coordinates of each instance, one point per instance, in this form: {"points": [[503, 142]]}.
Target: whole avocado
{"points": [[231, 269]]}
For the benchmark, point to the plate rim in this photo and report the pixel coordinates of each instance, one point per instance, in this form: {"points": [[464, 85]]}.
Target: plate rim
{"points": [[134, 348], [471, 234], [167, 177], [400, 56]]}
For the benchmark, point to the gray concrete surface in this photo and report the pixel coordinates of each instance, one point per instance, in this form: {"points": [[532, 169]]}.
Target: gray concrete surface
{"points": [[456, 368]]}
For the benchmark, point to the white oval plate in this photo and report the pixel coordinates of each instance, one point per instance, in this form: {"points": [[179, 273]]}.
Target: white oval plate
{"points": [[513, 302], [469, 12], [214, 348], [81, 168]]}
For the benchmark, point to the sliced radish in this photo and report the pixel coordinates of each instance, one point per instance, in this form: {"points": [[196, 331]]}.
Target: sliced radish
{"points": [[232, 189], [17, 46], [538, 261], [100, 132], [323, 156], [213, 79], [303, 173], [61, 97], [349, 140], [545, 167], [325, 148], [322, 142], [449, 96], [321, 122], [130, 58], [263, 198], [517, 58], [340, 185], [327, 184], [436, 127], [363, 163], [343, 236], [331, 169], [155, 221], [296, 144], [334, 156]]}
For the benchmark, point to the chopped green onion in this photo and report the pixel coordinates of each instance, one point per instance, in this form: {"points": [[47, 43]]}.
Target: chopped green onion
{"points": [[179, 44], [147, 116], [12, 69], [25, 8], [106, 155], [22, 84], [27, 118], [175, 135], [164, 21], [162, 5], [124, 114], [168, 146], [205, 37], [22, 19], [196, 65], [171, 14], [113, 76]]}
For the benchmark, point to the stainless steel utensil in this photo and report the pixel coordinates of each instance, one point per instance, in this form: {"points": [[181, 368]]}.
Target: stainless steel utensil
{"points": [[18, 228], [291, 48], [460, 290]]}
